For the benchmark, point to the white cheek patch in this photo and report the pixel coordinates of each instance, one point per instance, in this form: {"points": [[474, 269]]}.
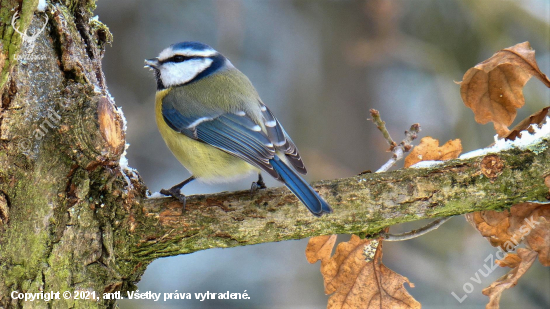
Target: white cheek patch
{"points": [[173, 74]]}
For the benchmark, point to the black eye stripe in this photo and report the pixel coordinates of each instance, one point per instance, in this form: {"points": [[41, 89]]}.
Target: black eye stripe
{"points": [[180, 58]]}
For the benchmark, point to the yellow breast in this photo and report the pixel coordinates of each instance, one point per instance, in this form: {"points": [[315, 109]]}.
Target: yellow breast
{"points": [[203, 161]]}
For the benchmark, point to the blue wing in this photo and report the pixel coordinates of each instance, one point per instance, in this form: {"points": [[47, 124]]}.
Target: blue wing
{"points": [[236, 134], [240, 136]]}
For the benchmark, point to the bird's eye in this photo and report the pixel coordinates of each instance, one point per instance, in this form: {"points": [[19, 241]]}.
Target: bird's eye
{"points": [[178, 58]]}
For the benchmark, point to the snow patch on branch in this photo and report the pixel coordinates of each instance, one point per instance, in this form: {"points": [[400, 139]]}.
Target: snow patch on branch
{"points": [[155, 195], [527, 141], [426, 164], [41, 5], [123, 161]]}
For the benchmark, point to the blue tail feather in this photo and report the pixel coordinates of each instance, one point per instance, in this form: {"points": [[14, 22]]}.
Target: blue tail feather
{"points": [[313, 201]]}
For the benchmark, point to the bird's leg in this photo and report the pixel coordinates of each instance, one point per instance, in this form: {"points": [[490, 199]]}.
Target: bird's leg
{"points": [[175, 190], [260, 184]]}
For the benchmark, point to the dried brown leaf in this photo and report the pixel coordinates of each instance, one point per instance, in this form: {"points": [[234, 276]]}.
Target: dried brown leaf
{"points": [[539, 238], [429, 150], [525, 222], [511, 260], [537, 118], [356, 282], [320, 248], [493, 89], [494, 291], [491, 224]]}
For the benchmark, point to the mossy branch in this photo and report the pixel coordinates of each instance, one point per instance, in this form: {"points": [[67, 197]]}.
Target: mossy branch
{"points": [[363, 204]]}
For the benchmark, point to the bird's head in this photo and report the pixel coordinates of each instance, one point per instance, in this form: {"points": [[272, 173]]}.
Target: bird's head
{"points": [[185, 62]]}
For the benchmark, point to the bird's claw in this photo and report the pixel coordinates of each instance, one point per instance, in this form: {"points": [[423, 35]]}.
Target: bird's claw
{"points": [[257, 186], [175, 193]]}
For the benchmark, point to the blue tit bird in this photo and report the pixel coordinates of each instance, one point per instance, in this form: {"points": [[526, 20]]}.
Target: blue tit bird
{"points": [[215, 123]]}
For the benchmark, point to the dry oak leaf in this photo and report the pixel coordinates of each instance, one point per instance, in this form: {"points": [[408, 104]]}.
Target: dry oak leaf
{"points": [[494, 291], [355, 282], [493, 89], [511, 260], [429, 150], [538, 118], [525, 222], [320, 248]]}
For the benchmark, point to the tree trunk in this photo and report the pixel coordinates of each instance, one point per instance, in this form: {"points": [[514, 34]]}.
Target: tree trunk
{"points": [[73, 219]]}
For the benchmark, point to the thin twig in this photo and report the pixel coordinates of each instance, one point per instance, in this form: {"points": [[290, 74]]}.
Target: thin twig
{"points": [[381, 125], [398, 150], [415, 233]]}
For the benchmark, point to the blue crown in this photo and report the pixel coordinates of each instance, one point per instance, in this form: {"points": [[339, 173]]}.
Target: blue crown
{"points": [[191, 45]]}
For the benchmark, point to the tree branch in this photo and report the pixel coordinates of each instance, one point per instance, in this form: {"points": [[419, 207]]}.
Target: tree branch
{"points": [[363, 205]]}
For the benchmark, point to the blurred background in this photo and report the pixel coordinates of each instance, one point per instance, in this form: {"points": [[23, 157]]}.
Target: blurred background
{"points": [[320, 66]]}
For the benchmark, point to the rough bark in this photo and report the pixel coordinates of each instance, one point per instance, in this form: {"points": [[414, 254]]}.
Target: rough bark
{"points": [[72, 219], [363, 205]]}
